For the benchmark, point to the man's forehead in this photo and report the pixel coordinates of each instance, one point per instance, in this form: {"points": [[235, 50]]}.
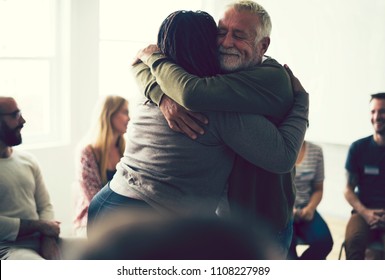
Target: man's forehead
{"points": [[8, 104], [377, 104], [242, 20], [378, 101]]}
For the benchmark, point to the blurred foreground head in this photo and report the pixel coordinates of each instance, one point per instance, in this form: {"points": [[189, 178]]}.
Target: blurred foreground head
{"points": [[147, 237]]}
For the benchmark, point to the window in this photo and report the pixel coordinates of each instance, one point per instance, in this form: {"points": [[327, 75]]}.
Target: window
{"points": [[32, 66]]}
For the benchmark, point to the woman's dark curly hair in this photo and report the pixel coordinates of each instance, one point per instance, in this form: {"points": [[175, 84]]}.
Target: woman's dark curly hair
{"points": [[189, 39]]}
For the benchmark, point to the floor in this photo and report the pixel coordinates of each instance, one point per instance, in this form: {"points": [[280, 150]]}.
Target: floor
{"points": [[337, 227]]}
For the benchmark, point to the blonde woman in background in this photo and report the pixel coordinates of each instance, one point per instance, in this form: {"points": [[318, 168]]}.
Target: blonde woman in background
{"points": [[99, 157]]}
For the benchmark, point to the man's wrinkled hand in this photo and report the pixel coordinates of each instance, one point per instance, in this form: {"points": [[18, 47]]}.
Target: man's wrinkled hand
{"points": [[380, 224], [49, 228], [371, 217], [145, 53], [49, 248], [181, 120], [297, 86]]}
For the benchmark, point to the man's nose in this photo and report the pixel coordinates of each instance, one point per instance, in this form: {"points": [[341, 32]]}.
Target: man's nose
{"points": [[22, 120], [227, 41]]}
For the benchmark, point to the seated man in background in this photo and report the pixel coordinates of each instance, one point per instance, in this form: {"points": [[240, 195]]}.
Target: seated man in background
{"points": [[27, 228], [365, 167]]}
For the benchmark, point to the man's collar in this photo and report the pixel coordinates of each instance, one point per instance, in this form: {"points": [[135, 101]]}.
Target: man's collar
{"points": [[379, 140], [264, 58]]}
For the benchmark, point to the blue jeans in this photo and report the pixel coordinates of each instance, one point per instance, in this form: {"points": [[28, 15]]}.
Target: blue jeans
{"points": [[106, 202], [314, 233]]}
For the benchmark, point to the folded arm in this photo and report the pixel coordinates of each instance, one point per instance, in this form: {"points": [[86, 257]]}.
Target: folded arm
{"points": [[46, 228], [49, 248], [264, 89], [259, 141], [13, 228], [44, 207]]}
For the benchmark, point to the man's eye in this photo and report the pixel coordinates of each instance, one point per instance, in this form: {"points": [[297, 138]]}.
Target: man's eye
{"points": [[239, 36]]}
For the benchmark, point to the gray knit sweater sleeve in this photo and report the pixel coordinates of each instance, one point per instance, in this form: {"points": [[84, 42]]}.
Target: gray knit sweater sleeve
{"points": [[264, 89], [262, 143]]}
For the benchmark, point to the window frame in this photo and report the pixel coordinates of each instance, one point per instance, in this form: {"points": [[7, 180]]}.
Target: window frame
{"points": [[57, 131]]}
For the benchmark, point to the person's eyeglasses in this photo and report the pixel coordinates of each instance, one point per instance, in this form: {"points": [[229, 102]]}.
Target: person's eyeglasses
{"points": [[15, 115]]}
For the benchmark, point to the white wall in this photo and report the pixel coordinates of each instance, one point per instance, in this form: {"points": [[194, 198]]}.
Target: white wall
{"points": [[333, 202], [336, 49], [309, 35]]}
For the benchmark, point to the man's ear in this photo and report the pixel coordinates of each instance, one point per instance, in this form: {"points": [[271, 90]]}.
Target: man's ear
{"points": [[264, 44]]}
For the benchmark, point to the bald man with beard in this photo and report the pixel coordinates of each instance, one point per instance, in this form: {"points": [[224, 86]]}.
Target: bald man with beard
{"points": [[27, 228]]}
